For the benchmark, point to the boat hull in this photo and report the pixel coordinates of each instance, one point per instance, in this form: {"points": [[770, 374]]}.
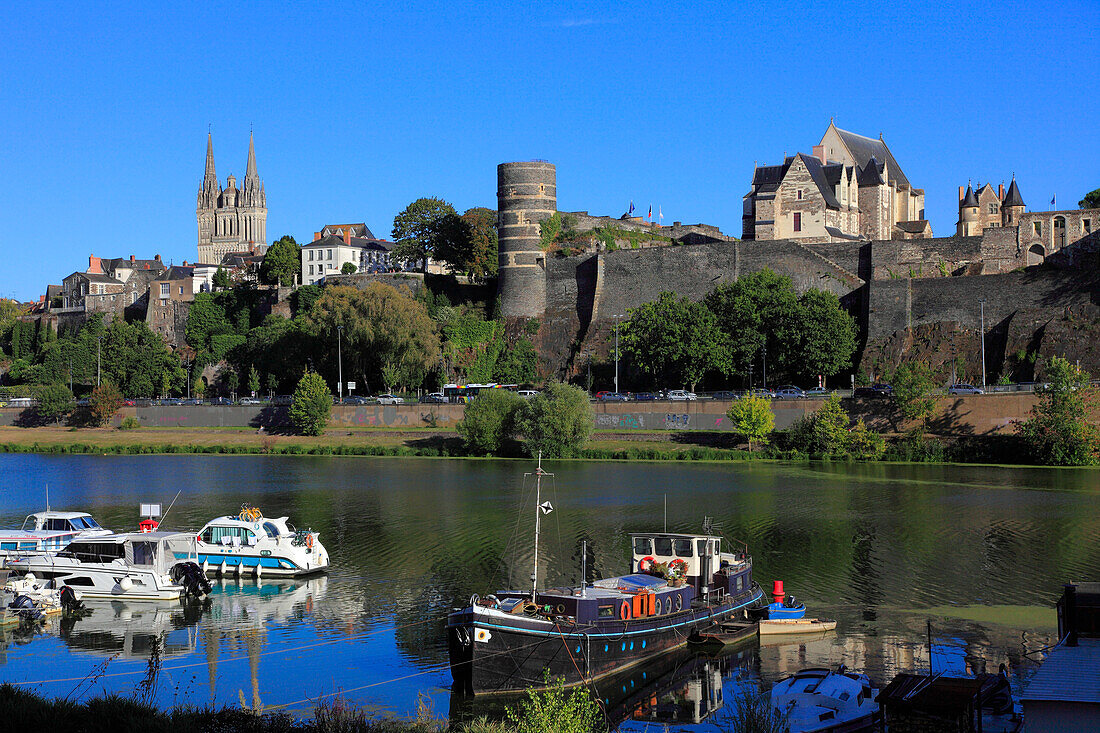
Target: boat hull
{"points": [[217, 564], [499, 653], [795, 626]]}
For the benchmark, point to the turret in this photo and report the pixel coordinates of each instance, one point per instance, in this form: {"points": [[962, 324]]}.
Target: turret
{"points": [[526, 195], [1012, 206], [968, 214]]}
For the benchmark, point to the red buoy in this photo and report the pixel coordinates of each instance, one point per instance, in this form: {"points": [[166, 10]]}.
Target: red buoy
{"points": [[777, 592], [148, 525]]}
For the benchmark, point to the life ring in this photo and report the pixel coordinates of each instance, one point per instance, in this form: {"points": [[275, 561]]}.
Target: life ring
{"points": [[624, 611], [309, 542], [679, 601], [560, 609], [646, 564], [677, 569]]}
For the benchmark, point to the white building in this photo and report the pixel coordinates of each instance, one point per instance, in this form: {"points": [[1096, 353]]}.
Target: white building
{"points": [[339, 244]]}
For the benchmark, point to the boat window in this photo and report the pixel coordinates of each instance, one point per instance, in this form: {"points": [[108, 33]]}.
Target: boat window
{"points": [[740, 582], [607, 612], [643, 546], [28, 545], [79, 581], [662, 546], [144, 553], [827, 715], [225, 535], [8, 546], [29, 523], [271, 529], [683, 548], [702, 547], [58, 524], [85, 523]]}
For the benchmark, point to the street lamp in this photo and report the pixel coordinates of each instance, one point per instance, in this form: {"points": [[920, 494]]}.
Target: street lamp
{"points": [[617, 317], [981, 302], [340, 359], [98, 359], [764, 374]]}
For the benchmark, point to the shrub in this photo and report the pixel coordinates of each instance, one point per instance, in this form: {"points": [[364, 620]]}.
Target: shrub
{"points": [[312, 404], [824, 432], [752, 416], [1058, 432], [489, 420], [104, 403], [130, 423], [556, 422], [864, 444], [54, 401], [553, 709]]}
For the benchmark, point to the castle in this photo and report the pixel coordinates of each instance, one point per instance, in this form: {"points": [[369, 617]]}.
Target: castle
{"points": [[230, 220]]}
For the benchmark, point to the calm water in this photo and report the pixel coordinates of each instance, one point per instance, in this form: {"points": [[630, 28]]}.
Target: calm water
{"points": [[979, 551]]}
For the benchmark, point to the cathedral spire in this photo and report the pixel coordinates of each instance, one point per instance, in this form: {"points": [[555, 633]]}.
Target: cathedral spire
{"points": [[250, 169], [210, 158]]}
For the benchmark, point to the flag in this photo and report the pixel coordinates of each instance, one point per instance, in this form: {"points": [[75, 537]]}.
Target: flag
{"points": [[546, 507], [631, 207], [1053, 201], [649, 216], [660, 214]]}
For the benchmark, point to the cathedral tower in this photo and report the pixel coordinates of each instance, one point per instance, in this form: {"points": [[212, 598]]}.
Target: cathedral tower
{"points": [[230, 219]]}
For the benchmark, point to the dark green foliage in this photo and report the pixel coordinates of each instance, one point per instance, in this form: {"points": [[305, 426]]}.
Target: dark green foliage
{"points": [[1059, 431], [312, 405], [282, 262], [1091, 200], [349, 269], [221, 279], [138, 360], [674, 340], [558, 421], [55, 401], [302, 299], [428, 227], [489, 421]]}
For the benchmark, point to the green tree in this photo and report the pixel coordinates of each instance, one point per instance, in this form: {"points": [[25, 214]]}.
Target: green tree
{"points": [[221, 279], [282, 262], [824, 432], [138, 361], [104, 402], [864, 444], [382, 326], [752, 416], [55, 401], [557, 421], [913, 385], [302, 299], [825, 336], [674, 340], [475, 250], [253, 380], [349, 269], [312, 405], [1059, 431], [490, 420], [428, 227], [1091, 200]]}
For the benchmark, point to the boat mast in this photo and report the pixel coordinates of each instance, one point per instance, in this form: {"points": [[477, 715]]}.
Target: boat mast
{"points": [[539, 511]]}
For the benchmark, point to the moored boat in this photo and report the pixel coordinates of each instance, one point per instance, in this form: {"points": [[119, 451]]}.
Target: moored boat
{"points": [[140, 566], [816, 700], [251, 544], [48, 531], [510, 640], [795, 625]]}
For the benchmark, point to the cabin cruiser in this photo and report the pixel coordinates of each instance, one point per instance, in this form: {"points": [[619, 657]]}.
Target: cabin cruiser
{"points": [[677, 584], [817, 700], [47, 531], [151, 566], [250, 543]]}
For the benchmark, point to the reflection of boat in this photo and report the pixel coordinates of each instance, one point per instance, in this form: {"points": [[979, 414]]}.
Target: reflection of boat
{"points": [[257, 545], [132, 629], [777, 640], [139, 566], [724, 634], [818, 699], [509, 641], [795, 625], [48, 531]]}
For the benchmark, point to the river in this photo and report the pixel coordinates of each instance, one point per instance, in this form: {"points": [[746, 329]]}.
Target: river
{"points": [[979, 551]]}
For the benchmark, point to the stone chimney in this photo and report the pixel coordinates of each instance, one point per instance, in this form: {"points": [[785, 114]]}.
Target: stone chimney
{"points": [[960, 194], [95, 264], [347, 236], [1001, 191], [819, 153], [316, 236], [155, 257], [131, 259]]}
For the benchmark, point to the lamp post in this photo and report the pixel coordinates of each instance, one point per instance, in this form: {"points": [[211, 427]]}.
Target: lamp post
{"points": [[617, 324], [340, 359], [764, 374], [981, 302], [98, 359]]}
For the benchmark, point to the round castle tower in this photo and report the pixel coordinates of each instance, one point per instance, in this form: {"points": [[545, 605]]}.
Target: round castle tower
{"points": [[527, 193]]}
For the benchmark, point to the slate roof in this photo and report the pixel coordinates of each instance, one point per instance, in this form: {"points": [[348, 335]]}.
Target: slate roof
{"points": [[179, 272], [98, 277], [378, 245], [125, 262], [871, 174], [1068, 674], [970, 199], [864, 148], [1012, 196], [841, 235], [767, 178], [817, 173], [913, 227], [357, 230]]}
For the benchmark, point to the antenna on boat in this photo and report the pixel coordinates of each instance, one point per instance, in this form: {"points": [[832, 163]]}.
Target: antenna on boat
{"points": [[666, 512], [47, 497], [162, 516], [540, 509], [584, 567]]}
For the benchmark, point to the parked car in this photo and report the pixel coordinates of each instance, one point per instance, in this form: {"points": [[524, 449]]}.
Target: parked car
{"points": [[878, 390], [724, 394], [600, 395], [193, 402], [282, 399], [817, 392], [389, 399], [250, 401], [127, 403], [761, 392], [219, 401], [645, 397], [614, 397], [789, 392], [962, 388], [682, 395], [435, 398], [527, 393]]}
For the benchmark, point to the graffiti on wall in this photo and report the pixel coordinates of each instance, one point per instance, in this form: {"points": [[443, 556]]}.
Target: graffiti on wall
{"points": [[620, 421], [675, 421]]}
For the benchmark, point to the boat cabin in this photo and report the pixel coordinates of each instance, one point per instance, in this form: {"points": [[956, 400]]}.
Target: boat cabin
{"points": [[700, 561], [158, 551], [233, 531], [25, 542], [75, 522]]}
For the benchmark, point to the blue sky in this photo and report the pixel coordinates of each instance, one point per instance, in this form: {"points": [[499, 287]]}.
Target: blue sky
{"points": [[359, 109]]}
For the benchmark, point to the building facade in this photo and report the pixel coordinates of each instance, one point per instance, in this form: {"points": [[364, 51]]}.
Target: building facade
{"points": [[109, 286], [340, 244], [984, 207], [230, 219]]}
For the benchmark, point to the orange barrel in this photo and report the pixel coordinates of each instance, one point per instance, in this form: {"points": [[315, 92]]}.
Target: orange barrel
{"points": [[777, 591]]}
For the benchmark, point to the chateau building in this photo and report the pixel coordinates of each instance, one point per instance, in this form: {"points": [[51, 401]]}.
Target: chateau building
{"points": [[231, 219], [338, 244], [851, 188], [984, 208]]}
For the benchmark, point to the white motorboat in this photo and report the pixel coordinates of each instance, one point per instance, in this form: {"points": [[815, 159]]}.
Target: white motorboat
{"points": [[47, 531], [30, 598], [254, 545], [151, 566], [817, 700]]}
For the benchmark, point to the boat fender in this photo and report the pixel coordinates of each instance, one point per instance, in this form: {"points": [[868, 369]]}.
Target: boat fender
{"points": [[475, 599], [624, 611], [646, 564], [125, 584]]}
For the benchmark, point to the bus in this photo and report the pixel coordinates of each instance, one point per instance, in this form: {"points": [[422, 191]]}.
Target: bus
{"points": [[464, 393]]}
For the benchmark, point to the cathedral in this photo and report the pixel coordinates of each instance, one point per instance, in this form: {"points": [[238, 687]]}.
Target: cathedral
{"points": [[231, 219]]}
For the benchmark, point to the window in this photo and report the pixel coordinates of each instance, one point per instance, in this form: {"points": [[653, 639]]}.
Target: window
{"points": [[682, 548], [58, 525], [330, 254], [144, 553], [1086, 226], [662, 547], [271, 529], [798, 221], [993, 208], [606, 612], [181, 290], [1038, 227], [643, 546], [800, 194], [165, 290], [311, 255], [8, 546], [311, 269]]}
